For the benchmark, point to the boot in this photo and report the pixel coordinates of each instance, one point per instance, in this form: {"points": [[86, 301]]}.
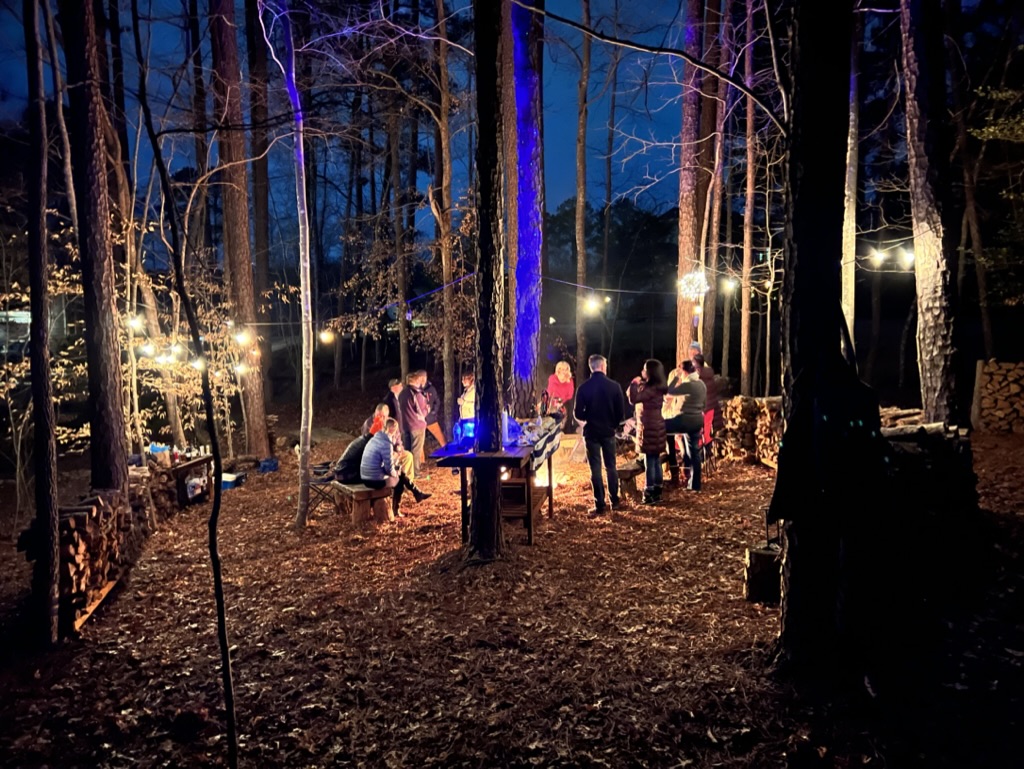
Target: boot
{"points": [[649, 495], [674, 472], [657, 493], [396, 501], [418, 494]]}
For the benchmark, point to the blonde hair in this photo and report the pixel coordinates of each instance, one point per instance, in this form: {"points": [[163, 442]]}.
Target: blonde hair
{"points": [[563, 366]]}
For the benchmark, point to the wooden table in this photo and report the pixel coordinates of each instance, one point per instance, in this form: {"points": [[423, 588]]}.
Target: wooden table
{"points": [[181, 473], [517, 458]]}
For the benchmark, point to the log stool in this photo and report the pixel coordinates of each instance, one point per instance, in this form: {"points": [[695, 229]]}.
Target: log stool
{"points": [[627, 479], [365, 503]]}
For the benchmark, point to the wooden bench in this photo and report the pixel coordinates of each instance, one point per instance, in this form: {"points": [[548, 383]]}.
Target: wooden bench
{"points": [[364, 503], [627, 479]]}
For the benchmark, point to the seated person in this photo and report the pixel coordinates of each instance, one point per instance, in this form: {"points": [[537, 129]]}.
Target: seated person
{"points": [[374, 424], [346, 470], [383, 465]]}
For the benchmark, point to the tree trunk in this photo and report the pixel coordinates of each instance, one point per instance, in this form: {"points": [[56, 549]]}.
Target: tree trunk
{"points": [[527, 44], [485, 523], [444, 218], [816, 379], [196, 223], [107, 438], [58, 90], [613, 85], [849, 268], [46, 581], [237, 259], [259, 150], [876, 327], [934, 250], [398, 224], [721, 158], [581, 203], [748, 212], [689, 172]]}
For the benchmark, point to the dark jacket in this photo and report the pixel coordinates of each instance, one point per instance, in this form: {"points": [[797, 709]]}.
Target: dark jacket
{"points": [[601, 404], [653, 398], [414, 409], [707, 376], [433, 402], [692, 415], [347, 468], [395, 409]]}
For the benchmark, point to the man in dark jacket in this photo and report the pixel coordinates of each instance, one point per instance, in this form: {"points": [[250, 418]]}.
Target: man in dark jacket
{"points": [[394, 390], [601, 407], [413, 407]]}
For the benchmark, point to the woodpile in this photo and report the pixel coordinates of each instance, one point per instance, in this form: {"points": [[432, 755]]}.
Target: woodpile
{"points": [[768, 430], [999, 397], [164, 491], [737, 439]]}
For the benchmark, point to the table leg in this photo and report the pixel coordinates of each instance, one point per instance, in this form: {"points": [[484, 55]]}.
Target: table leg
{"points": [[464, 489], [529, 501], [551, 490]]}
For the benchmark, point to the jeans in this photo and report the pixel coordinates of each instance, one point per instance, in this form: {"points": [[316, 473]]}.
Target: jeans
{"points": [[691, 443], [691, 429], [596, 447], [414, 443], [655, 473]]}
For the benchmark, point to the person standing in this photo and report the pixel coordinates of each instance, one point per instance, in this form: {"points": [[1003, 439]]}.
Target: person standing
{"points": [[391, 399], [690, 422], [433, 406], [467, 401], [707, 376], [600, 408], [560, 391], [648, 390], [413, 407]]}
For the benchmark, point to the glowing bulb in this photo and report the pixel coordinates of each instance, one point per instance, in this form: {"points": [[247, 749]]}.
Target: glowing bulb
{"points": [[697, 309], [241, 368], [326, 336], [176, 349], [907, 259], [230, 324], [591, 305], [729, 285], [244, 337], [163, 360], [135, 323], [877, 257], [768, 284], [198, 364], [551, 321], [607, 299], [148, 350]]}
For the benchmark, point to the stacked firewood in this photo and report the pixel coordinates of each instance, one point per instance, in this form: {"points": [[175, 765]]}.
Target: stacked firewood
{"points": [[999, 397], [768, 430], [164, 490], [897, 417], [738, 437]]}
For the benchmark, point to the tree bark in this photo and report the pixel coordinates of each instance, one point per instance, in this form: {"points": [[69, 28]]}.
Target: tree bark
{"points": [[485, 523], [237, 255], [108, 430], [444, 217], [46, 581], [197, 231], [849, 265], [934, 251], [527, 52], [398, 227], [748, 213], [581, 202], [259, 150], [62, 126], [689, 171]]}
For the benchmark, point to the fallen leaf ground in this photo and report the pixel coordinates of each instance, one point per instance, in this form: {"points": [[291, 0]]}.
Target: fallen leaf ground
{"points": [[617, 642]]}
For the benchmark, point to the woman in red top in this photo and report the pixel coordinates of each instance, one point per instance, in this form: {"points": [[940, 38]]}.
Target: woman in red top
{"points": [[560, 389]]}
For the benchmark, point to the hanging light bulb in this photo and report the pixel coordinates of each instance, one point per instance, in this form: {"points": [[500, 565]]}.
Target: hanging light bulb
{"points": [[326, 336]]}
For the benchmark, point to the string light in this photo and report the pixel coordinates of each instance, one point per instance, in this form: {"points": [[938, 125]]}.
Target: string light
{"points": [[906, 258], [591, 305], [198, 364], [693, 286], [135, 323], [241, 368], [729, 285], [244, 337], [877, 257], [148, 349], [551, 321], [326, 336]]}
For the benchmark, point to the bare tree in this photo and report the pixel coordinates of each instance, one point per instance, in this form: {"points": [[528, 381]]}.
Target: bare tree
{"points": [[46, 582], [746, 287], [237, 254], [581, 200], [849, 268], [107, 453], [934, 250]]}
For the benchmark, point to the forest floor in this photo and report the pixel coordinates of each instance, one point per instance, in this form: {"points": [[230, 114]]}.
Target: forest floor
{"points": [[616, 642]]}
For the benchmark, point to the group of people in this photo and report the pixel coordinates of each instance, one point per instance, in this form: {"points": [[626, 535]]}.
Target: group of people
{"points": [[670, 405]]}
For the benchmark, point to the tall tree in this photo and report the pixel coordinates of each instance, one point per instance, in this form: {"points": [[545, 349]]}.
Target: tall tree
{"points": [[527, 49], [46, 584], [930, 207], [849, 268], [746, 287], [398, 229], [690, 215], [81, 29], [581, 200], [485, 522], [234, 180], [259, 146]]}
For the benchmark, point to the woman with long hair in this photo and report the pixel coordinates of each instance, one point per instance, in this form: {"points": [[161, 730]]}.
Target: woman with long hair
{"points": [[648, 389]]}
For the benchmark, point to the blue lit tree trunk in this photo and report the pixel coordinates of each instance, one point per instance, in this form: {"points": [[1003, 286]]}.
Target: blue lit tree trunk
{"points": [[527, 48], [485, 523]]}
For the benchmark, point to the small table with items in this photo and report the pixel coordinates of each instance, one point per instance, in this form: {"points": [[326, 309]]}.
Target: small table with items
{"points": [[517, 465]]}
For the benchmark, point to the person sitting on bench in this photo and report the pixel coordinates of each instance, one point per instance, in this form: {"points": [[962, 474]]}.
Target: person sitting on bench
{"points": [[382, 466], [685, 381], [374, 424], [346, 469]]}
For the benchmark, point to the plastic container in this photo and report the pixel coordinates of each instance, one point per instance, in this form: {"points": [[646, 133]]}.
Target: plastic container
{"points": [[268, 465], [232, 480]]}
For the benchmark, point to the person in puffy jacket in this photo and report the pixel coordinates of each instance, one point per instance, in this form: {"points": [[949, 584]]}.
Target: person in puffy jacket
{"points": [[648, 390]]}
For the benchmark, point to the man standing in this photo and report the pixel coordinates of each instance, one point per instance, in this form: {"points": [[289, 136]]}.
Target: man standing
{"points": [[394, 390], [412, 405], [601, 407], [685, 381]]}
